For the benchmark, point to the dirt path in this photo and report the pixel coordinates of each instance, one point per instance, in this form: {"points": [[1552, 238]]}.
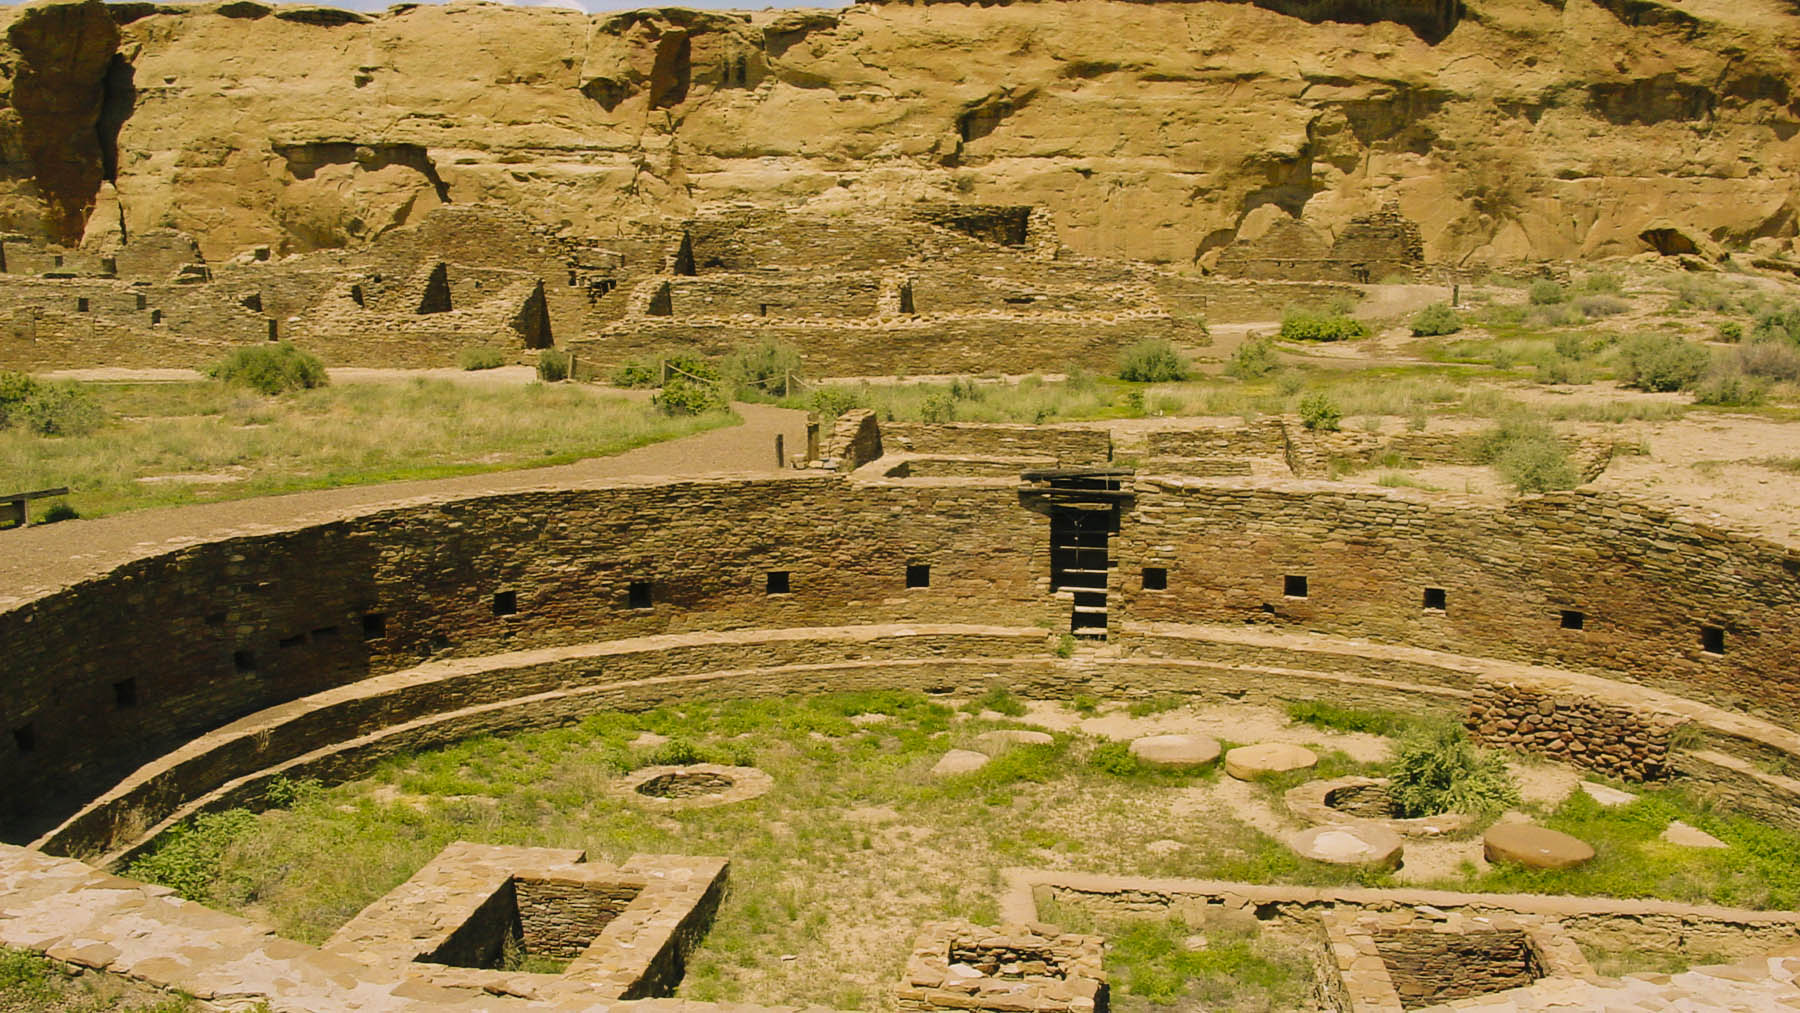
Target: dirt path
{"points": [[41, 558]]}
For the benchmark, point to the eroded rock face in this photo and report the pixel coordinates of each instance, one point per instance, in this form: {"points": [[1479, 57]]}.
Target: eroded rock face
{"points": [[1514, 130]]}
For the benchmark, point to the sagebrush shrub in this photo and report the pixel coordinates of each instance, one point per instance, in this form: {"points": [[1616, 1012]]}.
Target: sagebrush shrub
{"points": [[471, 359], [1152, 361], [1434, 320], [1661, 362], [1306, 325], [552, 365], [271, 369], [1253, 360], [1320, 414], [1545, 292], [682, 396]]}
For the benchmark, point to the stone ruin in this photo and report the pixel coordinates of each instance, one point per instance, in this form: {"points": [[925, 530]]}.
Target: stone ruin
{"points": [[1032, 968], [1373, 247]]}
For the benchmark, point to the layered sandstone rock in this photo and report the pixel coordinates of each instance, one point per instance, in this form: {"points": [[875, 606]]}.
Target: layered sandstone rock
{"points": [[1507, 129]]}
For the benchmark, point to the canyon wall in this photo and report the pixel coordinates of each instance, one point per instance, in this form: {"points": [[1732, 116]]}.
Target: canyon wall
{"points": [[1507, 129]]}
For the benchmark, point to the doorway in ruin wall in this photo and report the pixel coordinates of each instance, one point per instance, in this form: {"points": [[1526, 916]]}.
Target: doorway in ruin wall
{"points": [[1084, 507]]}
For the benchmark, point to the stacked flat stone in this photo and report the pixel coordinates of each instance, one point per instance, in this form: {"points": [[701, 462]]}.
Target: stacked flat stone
{"points": [[1629, 744]]}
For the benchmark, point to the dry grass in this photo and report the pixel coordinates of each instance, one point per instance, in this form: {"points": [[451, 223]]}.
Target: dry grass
{"points": [[167, 444]]}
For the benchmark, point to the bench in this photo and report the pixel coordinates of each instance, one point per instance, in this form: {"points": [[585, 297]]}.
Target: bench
{"points": [[12, 505]]}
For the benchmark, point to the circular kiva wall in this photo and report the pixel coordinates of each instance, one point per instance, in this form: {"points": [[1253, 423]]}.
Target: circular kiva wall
{"points": [[526, 608]]}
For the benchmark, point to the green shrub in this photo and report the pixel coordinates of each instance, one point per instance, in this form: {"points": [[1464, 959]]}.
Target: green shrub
{"points": [[1731, 331], [1602, 282], [938, 407], [47, 409], [1434, 320], [1562, 370], [1729, 387], [1437, 770], [552, 365], [1000, 700], [1545, 292], [1115, 759], [1306, 325], [637, 373], [692, 366], [472, 359], [1594, 306], [1348, 719], [1778, 323], [1152, 361], [271, 369], [768, 368], [1528, 455], [830, 402], [186, 857], [1320, 414], [1571, 346], [1661, 362], [1253, 360], [1769, 360], [682, 396]]}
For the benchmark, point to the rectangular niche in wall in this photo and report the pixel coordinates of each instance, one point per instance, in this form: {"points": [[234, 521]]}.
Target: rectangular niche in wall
{"points": [[374, 625], [637, 595], [506, 603], [777, 582], [125, 694], [1293, 585], [1156, 578], [243, 661], [1436, 599], [1712, 639], [918, 575], [1573, 620], [25, 737]]}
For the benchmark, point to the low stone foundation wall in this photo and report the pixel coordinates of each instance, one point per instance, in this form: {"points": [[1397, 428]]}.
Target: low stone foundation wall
{"points": [[1626, 743], [1011, 969]]}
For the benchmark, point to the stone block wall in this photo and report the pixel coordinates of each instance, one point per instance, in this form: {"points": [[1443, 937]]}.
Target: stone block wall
{"points": [[216, 631], [1068, 445], [1011, 969], [1650, 589], [1624, 742], [562, 917]]}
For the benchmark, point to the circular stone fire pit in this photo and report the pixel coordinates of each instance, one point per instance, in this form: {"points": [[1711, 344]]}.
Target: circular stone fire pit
{"points": [[695, 785], [1365, 801]]}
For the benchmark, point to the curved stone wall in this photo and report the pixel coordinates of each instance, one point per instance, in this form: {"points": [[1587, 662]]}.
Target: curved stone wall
{"points": [[109, 674]]}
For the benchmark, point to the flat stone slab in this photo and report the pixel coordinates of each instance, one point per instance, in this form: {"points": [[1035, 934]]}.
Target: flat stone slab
{"points": [[1175, 750], [1364, 844], [1534, 847], [996, 741], [1247, 763], [959, 761], [1691, 837], [1606, 796]]}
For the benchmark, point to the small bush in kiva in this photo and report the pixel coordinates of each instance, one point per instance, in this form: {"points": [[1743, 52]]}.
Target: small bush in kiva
{"points": [[1438, 769]]}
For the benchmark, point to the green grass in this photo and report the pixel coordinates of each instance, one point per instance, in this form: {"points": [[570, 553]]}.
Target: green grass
{"points": [[839, 864], [32, 984], [857, 844], [1224, 963], [1757, 870], [350, 434]]}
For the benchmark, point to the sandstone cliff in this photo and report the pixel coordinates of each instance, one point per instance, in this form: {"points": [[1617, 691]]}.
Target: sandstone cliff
{"points": [[1508, 129]]}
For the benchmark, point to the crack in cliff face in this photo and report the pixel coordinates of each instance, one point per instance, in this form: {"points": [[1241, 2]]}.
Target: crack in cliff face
{"points": [[58, 93]]}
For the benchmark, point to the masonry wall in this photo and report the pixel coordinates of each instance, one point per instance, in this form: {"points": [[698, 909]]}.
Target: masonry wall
{"points": [[216, 631], [1645, 583], [212, 632]]}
